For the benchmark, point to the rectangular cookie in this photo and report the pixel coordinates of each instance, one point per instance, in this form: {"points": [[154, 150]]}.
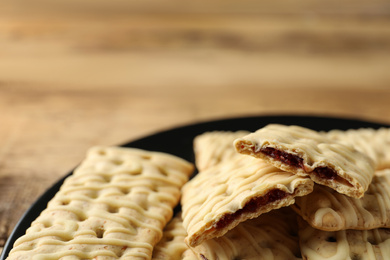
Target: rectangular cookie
{"points": [[114, 206], [328, 210], [219, 198], [212, 148], [373, 142], [345, 244], [309, 153], [273, 235]]}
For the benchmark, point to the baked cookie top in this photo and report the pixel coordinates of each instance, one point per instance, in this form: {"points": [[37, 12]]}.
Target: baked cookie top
{"points": [[373, 142], [329, 210], [114, 206], [172, 245], [273, 235], [309, 153], [344, 244], [219, 198], [212, 148]]}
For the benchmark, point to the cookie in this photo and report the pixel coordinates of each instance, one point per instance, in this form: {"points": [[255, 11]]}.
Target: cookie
{"points": [[273, 235], [329, 210], [114, 206], [212, 148], [306, 152], [373, 142], [345, 244], [172, 245], [219, 198]]}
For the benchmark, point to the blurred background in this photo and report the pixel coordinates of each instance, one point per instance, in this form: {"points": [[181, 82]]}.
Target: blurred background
{"points": [[74, 74]]}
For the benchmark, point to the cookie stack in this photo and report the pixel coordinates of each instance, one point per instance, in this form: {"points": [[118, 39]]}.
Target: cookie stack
{"points": [[309, 194], [282, 192]]}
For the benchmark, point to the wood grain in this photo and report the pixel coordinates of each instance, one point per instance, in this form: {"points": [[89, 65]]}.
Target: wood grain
{"points": [[74, 75]]}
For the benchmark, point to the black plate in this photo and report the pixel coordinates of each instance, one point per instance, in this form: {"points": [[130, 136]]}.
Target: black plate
{"points": [[178, 141]]}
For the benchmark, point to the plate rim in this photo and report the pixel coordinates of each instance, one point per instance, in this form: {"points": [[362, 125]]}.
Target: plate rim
{"points": [[41, 202]]}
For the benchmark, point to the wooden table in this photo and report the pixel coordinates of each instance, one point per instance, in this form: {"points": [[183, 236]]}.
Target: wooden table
{"points": [[74, 74]]}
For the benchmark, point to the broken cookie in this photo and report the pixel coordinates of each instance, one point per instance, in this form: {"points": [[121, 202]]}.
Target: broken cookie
{"points": [[306, 152]]}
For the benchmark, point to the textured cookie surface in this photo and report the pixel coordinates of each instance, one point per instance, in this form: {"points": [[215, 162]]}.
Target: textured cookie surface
{"points": [[212, 148], [219, 198], [373, 142], [270, 236], [328, 210], [172, 245], [307, 152], [114, 206], [345, 244]]}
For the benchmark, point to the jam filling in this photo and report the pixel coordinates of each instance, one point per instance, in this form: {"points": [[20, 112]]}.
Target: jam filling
{"points": [[296, 161], [284, 157], [203, 257], [251, 207], [325, 173]]}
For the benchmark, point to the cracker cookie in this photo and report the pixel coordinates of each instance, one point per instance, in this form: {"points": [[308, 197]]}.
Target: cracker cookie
{"points": [[114, 206], [373, 142], [219, 198], [328, 210], [212, 148], [345, 244], [306, 152], [273, 235]]}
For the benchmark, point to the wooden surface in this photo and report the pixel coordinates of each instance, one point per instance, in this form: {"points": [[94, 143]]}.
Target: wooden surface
{"points": [[74, 74]]}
